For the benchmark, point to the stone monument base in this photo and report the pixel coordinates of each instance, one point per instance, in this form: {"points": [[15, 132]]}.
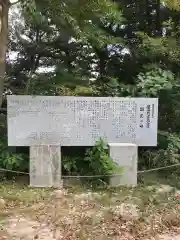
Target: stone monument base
{"points": [[45, 166], [125, 155]]}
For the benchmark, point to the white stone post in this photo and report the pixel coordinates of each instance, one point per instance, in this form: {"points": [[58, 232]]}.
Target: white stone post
{"points": [[125, 155], [45, 166]]}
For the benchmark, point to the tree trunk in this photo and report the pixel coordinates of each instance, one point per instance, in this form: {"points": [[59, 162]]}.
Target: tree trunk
{"points": [[148, 18], [4, 10], [158, 18]]}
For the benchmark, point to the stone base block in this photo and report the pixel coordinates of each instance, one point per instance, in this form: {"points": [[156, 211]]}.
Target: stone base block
{"points": [[125, 155], [45, 166]]}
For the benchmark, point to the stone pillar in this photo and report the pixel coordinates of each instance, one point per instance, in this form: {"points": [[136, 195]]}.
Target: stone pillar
{"points": [[45, 166], [125, 155]]}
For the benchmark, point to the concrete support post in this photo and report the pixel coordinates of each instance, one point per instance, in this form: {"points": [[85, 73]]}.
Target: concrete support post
{"points": [[125, 155], [45, 166]]}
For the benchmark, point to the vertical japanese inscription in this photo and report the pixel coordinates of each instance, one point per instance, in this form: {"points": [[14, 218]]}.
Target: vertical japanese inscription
{"points": [[148, 109], [141, 117]]}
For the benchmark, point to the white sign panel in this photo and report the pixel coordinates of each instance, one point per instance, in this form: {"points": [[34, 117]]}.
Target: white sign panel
{"points": [[81, 121]]}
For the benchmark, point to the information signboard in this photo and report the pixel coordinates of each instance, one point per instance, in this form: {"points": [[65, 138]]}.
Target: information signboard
{"points": [[81, 121]]}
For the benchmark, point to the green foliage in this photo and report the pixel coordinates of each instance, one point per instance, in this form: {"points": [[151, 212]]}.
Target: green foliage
{"points": [[99, 161], [11, 160], [83, 40], [106, 87], [79, 18], [83, 91], [165, 85], [70, 165], [173, 4], [152, 82], [95, 162], [167, 152]]}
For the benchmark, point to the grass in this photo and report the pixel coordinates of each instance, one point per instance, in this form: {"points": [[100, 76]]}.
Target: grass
{"points": [[81, 212]]}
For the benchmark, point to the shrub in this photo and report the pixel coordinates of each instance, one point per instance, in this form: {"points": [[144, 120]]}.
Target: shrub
{"points": [[99, 161], [166, 153], [11, 160], [95, 162]]}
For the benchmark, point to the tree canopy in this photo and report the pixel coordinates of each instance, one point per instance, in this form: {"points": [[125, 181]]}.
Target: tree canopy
{"points": [[97, 48]]}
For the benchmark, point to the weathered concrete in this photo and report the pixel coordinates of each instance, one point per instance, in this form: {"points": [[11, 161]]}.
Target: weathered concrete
{"points": [[125, 155], [45, 166]]}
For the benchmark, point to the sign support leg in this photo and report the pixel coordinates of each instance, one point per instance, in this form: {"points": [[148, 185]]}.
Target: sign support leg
{"points": [[125, 155], [45, 166]]}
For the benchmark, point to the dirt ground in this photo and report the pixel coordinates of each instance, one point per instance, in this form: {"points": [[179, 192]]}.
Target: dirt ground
{"points": [[150, 211]]}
